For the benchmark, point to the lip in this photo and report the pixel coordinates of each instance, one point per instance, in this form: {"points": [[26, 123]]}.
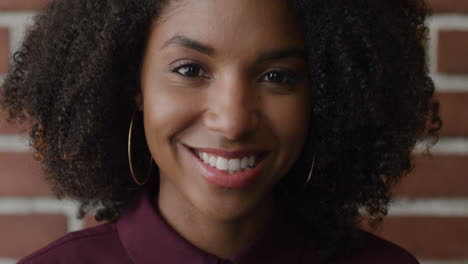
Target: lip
{"points": [[222, 178]]}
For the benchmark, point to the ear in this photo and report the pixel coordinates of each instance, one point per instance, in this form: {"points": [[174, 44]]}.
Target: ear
{"points": [[138, 99]]}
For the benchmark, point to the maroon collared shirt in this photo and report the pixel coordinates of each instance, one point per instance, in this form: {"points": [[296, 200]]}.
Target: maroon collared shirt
{"points": [[141, 236]]}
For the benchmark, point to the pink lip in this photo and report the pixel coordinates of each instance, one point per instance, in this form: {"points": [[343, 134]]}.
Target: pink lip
{"points": [[224, 179]]}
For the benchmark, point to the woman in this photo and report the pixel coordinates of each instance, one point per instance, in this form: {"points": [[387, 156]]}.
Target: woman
{"points": [[231, 131]]}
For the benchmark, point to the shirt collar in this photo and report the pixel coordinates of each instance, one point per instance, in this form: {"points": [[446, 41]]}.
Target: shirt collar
{"points": [[148, 237]]}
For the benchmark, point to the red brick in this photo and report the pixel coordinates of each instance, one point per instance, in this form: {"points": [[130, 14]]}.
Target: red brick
{"points": [[436, 176], [21, 175], [23, 234], [453, 52], [23, 4], [4, 50], [9, 128], [454, 113], [428, 237], [449, 6]]}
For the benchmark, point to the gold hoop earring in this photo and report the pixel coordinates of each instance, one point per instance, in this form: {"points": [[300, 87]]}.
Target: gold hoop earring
{"points": [[311, 171], [129, 147]]}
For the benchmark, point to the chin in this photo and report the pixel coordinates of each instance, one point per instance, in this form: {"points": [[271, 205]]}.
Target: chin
{"points": [[228, 207]]}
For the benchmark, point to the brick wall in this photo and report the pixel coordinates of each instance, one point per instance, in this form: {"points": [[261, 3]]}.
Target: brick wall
{"points": [[429, 216]]}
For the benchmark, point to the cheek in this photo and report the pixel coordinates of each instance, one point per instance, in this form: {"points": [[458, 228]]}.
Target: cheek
{"points": [[167, 112], [157, 110], [161, 122], [290, 119]]}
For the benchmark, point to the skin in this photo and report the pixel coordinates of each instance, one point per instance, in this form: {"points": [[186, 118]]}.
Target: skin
{"points": [[227, 98]]}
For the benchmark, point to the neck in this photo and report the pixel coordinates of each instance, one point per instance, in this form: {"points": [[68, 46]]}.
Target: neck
{"points": [[218, 236]]}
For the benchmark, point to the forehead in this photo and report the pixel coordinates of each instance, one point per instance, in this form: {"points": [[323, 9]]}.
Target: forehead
{"points": [[230, 23]]}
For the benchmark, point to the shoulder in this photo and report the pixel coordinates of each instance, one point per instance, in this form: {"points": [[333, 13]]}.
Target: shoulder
{"points": [[377, 250], [372, 249], [99, 244]]}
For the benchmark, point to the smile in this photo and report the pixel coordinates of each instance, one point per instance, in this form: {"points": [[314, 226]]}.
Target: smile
{"points": [[229, 169], [229, 165]]}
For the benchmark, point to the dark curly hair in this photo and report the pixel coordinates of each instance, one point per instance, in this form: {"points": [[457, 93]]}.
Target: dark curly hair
{"points": [[76, 74]]}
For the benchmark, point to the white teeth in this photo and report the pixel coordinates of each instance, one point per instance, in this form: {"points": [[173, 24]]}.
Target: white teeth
{"points": [[234, 165], [252, 160], [244, 163], [222, 164], [229, 165], [212, 161], [205, 157]]}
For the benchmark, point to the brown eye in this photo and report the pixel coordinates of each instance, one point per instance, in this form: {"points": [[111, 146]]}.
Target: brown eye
{"points": [[279, 77], [191, 70]]}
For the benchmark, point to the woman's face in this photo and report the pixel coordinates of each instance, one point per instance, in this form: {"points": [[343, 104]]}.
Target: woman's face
{"points": [[225, 102]]}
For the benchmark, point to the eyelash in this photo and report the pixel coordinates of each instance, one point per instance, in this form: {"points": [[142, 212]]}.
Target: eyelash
{"points": [[290, 78], [177, 69]]}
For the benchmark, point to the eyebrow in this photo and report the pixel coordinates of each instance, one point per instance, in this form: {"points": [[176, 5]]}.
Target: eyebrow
{"points": [[210, 51], [191, 44]]}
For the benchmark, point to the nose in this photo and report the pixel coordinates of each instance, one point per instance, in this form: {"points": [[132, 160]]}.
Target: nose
{"points": [[232, 108]]}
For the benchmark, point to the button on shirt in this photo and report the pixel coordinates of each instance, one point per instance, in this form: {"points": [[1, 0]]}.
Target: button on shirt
{"points": [[141, 236]]}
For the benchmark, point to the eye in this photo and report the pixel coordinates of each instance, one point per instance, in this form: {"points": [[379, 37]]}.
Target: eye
{"points": [[190, 70], [281, 77]]}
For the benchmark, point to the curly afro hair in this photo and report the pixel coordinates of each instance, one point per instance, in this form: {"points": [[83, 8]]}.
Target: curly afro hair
{"points": [[76, 74]]}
